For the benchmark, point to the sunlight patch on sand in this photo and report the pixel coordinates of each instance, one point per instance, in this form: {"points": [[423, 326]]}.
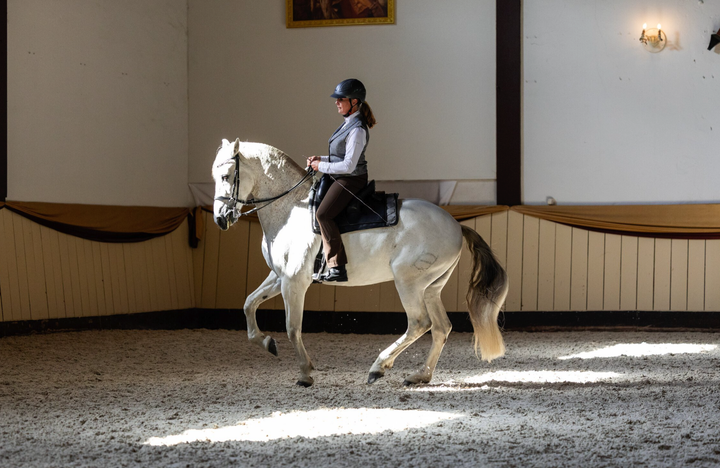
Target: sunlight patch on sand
{"points": [[642, 349], [311, 424]]}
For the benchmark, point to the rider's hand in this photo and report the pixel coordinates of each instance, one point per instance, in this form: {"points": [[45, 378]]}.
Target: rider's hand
{"points": [[315, 163]]}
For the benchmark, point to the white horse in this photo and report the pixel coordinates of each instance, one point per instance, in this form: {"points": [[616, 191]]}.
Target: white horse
{"points": [[419, 254]]}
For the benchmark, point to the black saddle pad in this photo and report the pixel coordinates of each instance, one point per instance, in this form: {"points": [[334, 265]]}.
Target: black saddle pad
{"points": [[370, 210]]}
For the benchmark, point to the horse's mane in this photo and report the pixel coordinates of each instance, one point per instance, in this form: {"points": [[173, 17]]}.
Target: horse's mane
{"points": [[269, 156]]}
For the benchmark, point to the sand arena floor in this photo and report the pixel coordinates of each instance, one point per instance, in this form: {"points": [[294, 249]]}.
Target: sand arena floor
{"points": [[208, 398]]}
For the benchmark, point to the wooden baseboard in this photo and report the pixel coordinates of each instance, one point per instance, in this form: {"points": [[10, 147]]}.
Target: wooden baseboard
{"points": [[371, 322]]}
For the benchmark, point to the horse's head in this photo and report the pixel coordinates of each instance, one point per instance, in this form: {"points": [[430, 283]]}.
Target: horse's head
{"points": [[233, 183]]}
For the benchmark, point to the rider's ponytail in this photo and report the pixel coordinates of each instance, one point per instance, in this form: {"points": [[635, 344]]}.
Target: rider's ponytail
{"points": [[367, 114]]}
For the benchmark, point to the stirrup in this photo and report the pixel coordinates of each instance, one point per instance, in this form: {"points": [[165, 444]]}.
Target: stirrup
{"points": [[336, 274], [317, 277]]}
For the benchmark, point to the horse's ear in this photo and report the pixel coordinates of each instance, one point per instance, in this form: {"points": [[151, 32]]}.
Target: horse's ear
{"points": [[225, 142], [236, 148]]}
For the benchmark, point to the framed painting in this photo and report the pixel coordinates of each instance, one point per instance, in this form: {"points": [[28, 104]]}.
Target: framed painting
{"points": [[311, 13]]}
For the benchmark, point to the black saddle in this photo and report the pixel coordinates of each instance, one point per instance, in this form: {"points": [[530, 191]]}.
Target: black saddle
{"points": [[372, 210]]}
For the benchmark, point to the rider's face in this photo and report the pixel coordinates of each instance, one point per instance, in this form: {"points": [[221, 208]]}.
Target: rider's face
{"points": [[343, 105]]}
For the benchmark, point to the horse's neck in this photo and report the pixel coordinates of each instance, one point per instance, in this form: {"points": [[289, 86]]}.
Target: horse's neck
{"points": [[273, 181]]}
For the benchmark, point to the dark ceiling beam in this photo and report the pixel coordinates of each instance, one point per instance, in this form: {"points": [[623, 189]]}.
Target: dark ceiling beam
{"points": [[509, 101], [3, 90]]}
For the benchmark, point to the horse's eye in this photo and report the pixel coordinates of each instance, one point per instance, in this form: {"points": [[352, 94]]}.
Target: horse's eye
{"points": [[225, 178]]}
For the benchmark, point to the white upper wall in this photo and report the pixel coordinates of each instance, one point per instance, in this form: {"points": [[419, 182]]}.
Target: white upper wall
{"points": [[97, 102], [430, 81], [606, 121]]}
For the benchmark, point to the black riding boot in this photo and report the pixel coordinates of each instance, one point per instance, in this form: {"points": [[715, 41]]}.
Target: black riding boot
{"points": [[337, 274]]}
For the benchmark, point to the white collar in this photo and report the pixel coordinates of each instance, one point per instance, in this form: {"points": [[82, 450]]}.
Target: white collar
{"points": [[352, 116]]}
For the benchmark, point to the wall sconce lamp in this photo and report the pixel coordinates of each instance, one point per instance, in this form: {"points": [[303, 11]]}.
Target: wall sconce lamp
{"points": [[714, 40], [654, 40]]}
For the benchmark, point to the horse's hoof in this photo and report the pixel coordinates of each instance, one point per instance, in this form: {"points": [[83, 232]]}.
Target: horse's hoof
{"points": [[304, 383], [409, 383], [272, 347], [374, 377]]}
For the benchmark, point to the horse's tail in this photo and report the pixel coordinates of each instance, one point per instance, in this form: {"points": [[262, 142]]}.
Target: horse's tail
{"points": [[486, 294]]}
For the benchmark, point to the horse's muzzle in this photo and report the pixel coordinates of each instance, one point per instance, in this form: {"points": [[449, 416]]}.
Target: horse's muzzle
{"points": [[222, 223]]}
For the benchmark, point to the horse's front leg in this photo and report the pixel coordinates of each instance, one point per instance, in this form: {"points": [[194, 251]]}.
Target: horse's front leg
{"points": [[267, 290], [293, 292]]}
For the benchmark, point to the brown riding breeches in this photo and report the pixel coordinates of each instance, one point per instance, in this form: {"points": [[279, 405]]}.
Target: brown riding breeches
{"points": [[336, 199]]}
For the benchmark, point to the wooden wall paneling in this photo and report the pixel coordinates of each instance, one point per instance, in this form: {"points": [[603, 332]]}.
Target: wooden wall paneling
{"points": [[53, 274], [612, 279], [450, 292], [21, 258], [154, 301], [75, 309], [64, 250], [696, 276], [390, 299], [661, 300], [15, 311], [142, 280], [531, 247], [579, 270], [678, 274], [99, 280], [183, 267], [171, 268], [189, 261], [210, 266], [312, 298], [546, 266], [86, 277], [628, 272], [161, 272], [563, 262], [712, 275], [107, 278], [464, 268], [498, 238], [5, 250], [349, 299], [36, 271], [54, 247], [130, 281], [198, 262], [596, 269], [232, 266], [515, 261], [122, 302], [108, 262], [327, 297], [646, 273]]}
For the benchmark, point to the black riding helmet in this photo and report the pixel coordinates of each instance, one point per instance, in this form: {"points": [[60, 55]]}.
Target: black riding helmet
{"points": [[351, 88]]}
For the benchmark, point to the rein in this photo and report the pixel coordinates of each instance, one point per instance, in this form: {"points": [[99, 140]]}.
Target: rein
{"points": [[234, 200]]}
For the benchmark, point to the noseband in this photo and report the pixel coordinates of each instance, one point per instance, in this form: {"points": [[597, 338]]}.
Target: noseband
{"points": [[232, 201]]}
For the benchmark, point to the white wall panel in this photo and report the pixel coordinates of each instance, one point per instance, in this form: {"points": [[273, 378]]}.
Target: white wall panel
{"points": [[604, 120], [97, 102]]}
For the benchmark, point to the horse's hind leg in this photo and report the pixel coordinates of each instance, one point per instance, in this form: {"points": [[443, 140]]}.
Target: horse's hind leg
{"points": [[440, 330], [418, 324], [267, 290]]}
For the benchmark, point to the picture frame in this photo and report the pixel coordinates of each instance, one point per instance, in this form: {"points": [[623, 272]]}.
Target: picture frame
{"points": [[314, 13]]}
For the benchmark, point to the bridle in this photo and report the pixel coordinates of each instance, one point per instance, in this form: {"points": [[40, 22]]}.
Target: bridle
{"points": [[232, 201]]}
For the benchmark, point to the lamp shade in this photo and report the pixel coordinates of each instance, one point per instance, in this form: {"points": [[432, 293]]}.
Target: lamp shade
{"points": [[714, 40]]}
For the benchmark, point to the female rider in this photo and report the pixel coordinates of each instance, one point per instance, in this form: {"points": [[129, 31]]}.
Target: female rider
{"points": [[347, 167]]}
